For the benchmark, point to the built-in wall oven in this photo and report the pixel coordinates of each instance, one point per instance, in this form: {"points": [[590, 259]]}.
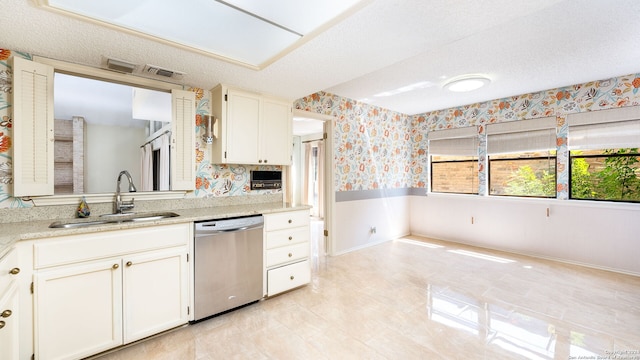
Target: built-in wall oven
{"points": [[228, 268]]}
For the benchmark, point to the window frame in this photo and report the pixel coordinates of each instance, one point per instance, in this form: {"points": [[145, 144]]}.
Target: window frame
{"points": [[555, 176], [477, 173], [523, 137], [587, 156], [600, 118], [457, 138]]}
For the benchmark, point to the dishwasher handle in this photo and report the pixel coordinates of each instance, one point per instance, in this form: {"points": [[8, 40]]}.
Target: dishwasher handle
{"points": [[205, 229]]}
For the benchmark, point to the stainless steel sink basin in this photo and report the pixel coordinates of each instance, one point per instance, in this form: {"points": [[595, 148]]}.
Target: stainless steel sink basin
{"points": [[75, 224], [114, 219]]}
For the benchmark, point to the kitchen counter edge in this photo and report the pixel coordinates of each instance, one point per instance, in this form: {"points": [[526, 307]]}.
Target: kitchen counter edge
{"points": [[29, 230]]}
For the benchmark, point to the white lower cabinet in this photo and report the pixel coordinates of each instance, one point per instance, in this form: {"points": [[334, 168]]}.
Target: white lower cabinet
{"points": [[83, 306], [155, 293], [9, 330], [287, 247], [78, 310], [9, 314], [288, 277]]}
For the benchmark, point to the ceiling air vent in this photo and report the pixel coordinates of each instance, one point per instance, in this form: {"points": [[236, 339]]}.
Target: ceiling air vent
{"points": [[120, 66], [160, 72]]}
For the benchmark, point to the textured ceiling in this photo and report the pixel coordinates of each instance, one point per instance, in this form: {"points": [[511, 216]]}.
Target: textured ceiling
{"points": [[523, 46]]}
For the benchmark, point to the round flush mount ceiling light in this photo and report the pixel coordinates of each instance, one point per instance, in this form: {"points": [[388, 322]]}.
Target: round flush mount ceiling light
{"points": [[467, 83]]}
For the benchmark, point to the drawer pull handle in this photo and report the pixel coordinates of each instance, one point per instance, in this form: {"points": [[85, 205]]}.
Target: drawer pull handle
{"points": [[290, 221], [14, 271], [6, 313], [2, 323], [290, 238], [291, 277], [129, 263], [115, 266], [290, 254]]}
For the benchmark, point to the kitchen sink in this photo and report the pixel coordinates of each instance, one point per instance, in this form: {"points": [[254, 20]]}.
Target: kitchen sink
{"points": [[114, 219], [75, 224]]}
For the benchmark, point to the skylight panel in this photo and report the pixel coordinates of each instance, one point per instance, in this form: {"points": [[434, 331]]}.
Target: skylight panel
{"points": [[251, 33]]}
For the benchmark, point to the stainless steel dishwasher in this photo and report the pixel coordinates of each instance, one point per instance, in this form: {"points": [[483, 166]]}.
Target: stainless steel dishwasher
{"points": [[228, 269]]}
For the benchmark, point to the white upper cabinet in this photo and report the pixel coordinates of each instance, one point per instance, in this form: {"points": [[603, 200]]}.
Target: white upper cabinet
{"points": [[252, 128], [33, 135]]}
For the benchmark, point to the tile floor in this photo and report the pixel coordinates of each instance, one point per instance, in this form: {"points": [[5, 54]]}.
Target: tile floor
{"points": [[417, 298]]}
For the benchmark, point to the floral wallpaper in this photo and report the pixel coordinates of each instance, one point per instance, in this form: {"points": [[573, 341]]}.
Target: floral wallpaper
{"points": [[375, 148], [373, 145], [211, 180], [360, 168]]}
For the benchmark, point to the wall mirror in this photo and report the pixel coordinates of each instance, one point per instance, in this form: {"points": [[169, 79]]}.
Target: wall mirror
{"points": [[103, 127]]}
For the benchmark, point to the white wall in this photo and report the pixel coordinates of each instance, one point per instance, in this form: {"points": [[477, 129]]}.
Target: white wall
{"points": [[354, 219], [597, 234], [114, 145]]}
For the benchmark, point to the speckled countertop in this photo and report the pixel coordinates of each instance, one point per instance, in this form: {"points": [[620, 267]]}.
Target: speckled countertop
{"points": [[12, 232]]}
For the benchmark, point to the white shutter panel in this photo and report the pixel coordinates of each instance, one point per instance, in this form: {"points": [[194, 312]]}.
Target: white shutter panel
{"points": [[183, 149], [32, 128]]}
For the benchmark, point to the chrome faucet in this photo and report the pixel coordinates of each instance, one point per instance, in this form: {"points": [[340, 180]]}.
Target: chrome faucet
{"points": [[120, 205]]}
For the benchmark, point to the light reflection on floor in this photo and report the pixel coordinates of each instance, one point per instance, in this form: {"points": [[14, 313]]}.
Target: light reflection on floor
{"points": [[419, 298]]}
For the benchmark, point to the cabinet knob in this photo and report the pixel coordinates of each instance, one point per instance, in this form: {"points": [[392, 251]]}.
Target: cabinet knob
{"points": [[259, 161], [14, 271], [290, 254], [115, 266], [290, 238], [290, 221], [291, 277], [265, 161], [129, 263], [6, 313], [2, 323]]}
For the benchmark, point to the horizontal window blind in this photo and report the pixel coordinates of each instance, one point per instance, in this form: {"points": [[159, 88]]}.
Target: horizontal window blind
{"points": [[459, 142], [522, 136], [605, 129], [608, 135]]}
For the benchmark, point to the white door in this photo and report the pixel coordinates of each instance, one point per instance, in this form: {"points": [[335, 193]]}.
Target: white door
{"points": [[155, 292], [78, 309]]}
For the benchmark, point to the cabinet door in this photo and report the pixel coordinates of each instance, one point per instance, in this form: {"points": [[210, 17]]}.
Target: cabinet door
{"points": [[9, 330], [155, 292], [275, 132], [243, 115], [78, 309]]}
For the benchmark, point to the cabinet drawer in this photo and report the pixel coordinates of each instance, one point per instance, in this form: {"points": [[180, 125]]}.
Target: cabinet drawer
{"points": [[287, 254], [286, 220], [75, 248], [287, 237], [8, 265], [288, 277]]}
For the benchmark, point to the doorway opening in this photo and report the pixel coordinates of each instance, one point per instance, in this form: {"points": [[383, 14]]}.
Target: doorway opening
{"points": [[310, 173]]}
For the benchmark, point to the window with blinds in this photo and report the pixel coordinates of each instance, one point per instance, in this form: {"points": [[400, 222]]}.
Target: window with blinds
{"points": [[454, 160], [603, 155], [522, 158]]}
